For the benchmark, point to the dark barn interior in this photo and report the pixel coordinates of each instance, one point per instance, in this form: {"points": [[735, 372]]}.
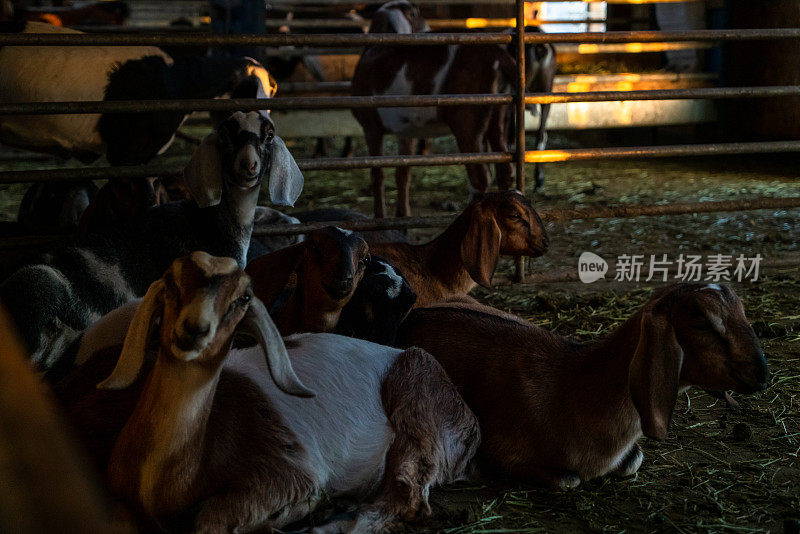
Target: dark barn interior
{"points": [[573, 309]]}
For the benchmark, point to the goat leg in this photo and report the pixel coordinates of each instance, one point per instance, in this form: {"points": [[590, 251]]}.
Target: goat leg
{"points": [[541, 144], [436, 434], [375, 146], [402, 177], [496, 136], [347, 149], [256, 505]]}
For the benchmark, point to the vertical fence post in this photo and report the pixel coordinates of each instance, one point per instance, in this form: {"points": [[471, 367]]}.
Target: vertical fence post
{"points": [[520, 118]]}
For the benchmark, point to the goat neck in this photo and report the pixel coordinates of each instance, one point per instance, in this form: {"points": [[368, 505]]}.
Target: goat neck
{"points": [[235, 214], [175, 453], [443, 255], [599, 391]]}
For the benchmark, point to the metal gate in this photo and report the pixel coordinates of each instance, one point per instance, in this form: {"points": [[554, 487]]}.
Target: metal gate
{"points": [[519, 99]]}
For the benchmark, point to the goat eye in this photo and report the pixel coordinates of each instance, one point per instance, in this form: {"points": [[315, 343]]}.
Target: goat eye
{"points": [[270, 136], [244, 299]]}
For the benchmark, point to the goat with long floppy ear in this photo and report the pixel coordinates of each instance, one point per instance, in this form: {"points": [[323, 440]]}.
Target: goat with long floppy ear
{"points": [[655, 373], [133, 349], [272, 272], [480, 249], [259, 324], [204, 173], [256, 323]]}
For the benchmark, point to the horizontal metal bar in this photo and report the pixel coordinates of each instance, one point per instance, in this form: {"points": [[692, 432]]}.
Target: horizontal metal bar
{"points": [[249, 104], [327, 164], [417, 39], [348, 39], [665, 94], [314, 164], [347, 102], [547, 215], [87, 173], [575, 154], [470, 22]]}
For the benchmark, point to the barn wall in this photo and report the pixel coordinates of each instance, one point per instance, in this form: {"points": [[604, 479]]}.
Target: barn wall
{"points": [[763, 63]]}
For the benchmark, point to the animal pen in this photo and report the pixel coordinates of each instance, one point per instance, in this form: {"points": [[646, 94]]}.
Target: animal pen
{"points": [[574, 93]]}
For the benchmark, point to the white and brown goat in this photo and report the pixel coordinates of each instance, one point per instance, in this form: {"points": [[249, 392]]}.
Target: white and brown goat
{"points": [[235, 440], [466, 253], [558, 412], [443, 70]]}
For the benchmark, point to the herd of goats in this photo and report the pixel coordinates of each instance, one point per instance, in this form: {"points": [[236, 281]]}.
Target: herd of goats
{"points": [[225, 382]]}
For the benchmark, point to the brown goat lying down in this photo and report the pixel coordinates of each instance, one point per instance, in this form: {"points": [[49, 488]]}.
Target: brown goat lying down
{"points": [[202, 437], [558, 412], [305, 286], [466, 253]]}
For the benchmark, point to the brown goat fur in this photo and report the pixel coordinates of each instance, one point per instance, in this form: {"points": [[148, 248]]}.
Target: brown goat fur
{"points": [[558, 412], [319, 276], [443, 70], [211, 447], [466, 253]]}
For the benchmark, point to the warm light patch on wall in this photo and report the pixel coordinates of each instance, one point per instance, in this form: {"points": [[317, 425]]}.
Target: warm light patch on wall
{"points": [[546, 156], [632, 48], [579, 87], [578, 113], [497, 23], [623, 112]]}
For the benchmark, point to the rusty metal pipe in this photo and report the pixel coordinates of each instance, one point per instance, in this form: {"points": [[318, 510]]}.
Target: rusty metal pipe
{"points": [[249, 104], [87, 39], [547, 215], [348, 102], [319, 164]]}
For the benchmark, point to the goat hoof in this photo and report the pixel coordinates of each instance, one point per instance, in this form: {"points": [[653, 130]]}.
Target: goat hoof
{"points": [[631, 463]]}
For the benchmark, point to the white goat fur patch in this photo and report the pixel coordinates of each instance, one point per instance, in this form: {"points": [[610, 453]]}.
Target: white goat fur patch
{"points": [[59, 73], [344, 427]]}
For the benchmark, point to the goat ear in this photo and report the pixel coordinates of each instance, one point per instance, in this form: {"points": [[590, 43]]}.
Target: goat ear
{"points": [[258, 324], [285, 178], [654, 374], [270, 273], [132, 356], [480, 249], [203, 174]]}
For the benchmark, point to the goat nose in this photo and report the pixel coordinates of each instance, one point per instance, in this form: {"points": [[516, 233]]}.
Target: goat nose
{"points": [[196, 329]]}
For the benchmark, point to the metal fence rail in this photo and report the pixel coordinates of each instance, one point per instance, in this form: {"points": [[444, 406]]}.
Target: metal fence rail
{"points": [[362, 162], [415, 39], [547, 215], [519, 99], [346, 102]]}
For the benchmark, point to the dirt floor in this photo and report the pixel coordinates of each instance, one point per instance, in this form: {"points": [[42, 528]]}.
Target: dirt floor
{"points": [[719, 470]]}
